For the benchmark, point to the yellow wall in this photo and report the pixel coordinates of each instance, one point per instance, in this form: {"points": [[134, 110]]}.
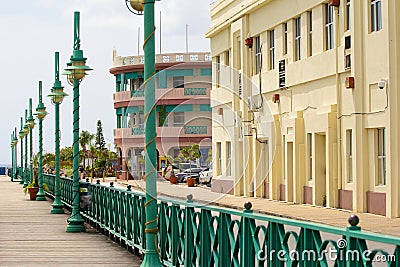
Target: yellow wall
{"points": [[315, 100]]}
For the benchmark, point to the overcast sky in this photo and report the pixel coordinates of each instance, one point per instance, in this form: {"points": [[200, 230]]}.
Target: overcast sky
{"points": [[33, 30]]}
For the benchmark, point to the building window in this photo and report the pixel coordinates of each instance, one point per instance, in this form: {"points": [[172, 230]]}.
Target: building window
{"points": [[179, 119], [179, 81], [381, 157], [271, 49], [227, 58], [218, 76], [285, 38], [258, 54], [310, 31], [297, 39], [347, 16], [219, 159], [376, 15], [349, 138], [228, 159], [141, 118], [328, 27], [135, 84], [132, 120], [310, 155]]}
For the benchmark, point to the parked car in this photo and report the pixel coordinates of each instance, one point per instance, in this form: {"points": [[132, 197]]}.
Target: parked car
{"points": [[193, 172], [206, 176], [185, 165]]}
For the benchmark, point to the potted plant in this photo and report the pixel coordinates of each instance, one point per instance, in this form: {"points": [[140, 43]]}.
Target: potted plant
{"points": [[191, 181], [33, 189], [33, 186], [191, 153], [173, 179]]}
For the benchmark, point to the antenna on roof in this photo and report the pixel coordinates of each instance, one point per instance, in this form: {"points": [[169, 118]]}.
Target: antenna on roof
{"points": [[138, 42], [160, 31], [187, 38]]}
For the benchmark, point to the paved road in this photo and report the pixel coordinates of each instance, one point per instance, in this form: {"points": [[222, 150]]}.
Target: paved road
{"points": [[329, 216], [31, 236]]}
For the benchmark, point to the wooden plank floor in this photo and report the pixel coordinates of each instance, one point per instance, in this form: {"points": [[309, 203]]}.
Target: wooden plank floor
{"points": [[31, 236]]}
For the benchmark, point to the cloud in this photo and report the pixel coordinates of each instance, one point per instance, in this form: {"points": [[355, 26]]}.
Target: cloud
{"points": [[33, 31]]}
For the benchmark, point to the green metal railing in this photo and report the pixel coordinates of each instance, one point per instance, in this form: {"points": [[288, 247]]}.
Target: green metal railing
{"points": [[194, 235], [20, 174]]}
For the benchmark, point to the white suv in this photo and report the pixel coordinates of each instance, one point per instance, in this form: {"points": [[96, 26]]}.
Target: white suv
{"points": [[205, 176]]}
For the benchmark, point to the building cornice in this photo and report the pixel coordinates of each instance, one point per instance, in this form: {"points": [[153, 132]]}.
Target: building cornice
{"points": [[160, 66], [233, 10]]}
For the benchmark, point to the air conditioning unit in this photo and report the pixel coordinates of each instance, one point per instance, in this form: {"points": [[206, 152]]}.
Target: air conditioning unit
{"points": [[334, 2], [247, 130], [349, 83], [238, 118], [253, 103], [275, 98]]}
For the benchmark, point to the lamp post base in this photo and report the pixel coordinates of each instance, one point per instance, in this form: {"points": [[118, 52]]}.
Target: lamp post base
{"points": [[151, 259], [58, 207], [40, 196], [75, 226]]}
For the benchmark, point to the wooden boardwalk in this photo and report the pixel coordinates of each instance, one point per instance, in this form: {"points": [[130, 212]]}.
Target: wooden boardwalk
{"points": [[31, 236]]}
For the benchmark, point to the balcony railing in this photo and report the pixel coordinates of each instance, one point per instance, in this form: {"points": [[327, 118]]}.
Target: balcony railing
{"points": [[195, 129], [137, 93], [138, 130], [200, 94], [192, 234], [163, 132], [195, 91]]}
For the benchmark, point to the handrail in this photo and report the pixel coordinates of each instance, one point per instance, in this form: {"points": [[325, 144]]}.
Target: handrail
{"points": [[191, 234]]}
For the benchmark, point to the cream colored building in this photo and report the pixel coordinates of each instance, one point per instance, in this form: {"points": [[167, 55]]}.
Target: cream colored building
{"points": [[327, 129]]}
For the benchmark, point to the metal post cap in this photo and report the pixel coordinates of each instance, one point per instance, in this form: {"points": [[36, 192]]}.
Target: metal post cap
{"points": [[353, 220], [248, 205]]}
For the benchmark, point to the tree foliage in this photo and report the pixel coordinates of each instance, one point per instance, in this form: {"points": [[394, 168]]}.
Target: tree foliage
{"points": [[66, 154], [100, 143]]}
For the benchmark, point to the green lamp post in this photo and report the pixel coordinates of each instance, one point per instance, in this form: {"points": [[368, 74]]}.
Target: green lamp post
{"points": [[13, 145], [12, 157], [57, 95], [151, 257], [40, 114], [15, 142], [31, 125], [21, 135], [76, 71], [25, 170]]}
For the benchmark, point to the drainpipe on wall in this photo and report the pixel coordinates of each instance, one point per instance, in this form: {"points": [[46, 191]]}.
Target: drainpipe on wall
{"points": [[339, 106]]}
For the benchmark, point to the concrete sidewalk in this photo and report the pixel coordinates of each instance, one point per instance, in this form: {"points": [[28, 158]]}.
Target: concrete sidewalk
{"points": [[327, 216]]}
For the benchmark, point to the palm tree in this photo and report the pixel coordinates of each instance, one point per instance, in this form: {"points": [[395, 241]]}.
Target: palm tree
{"points": [[85, 140], [49, 160], [92, 154]]}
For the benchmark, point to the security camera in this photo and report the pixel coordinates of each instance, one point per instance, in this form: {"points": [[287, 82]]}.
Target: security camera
{"points": [[382, 84]]}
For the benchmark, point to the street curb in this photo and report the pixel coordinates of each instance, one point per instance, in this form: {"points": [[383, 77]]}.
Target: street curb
{"points": [[235, 207]]}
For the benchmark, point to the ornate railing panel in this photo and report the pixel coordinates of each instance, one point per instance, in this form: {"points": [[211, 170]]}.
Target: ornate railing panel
{"points": [[194, 235]]}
